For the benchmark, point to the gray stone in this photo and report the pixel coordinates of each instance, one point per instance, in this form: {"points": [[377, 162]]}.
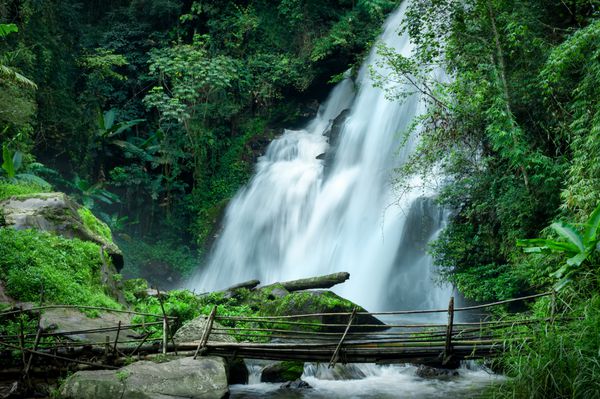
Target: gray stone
{"points": [[282, 372], [297, 384], [57, 213], [237, 371], [193, 330], [64, 320], [203, 378], [432, 372], [339, 372]]}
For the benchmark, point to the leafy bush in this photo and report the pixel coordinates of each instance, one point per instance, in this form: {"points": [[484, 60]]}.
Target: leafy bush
{"points": [[67, 269]]}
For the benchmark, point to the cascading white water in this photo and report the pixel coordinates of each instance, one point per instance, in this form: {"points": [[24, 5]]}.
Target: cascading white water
{"points": [[322, 201]]}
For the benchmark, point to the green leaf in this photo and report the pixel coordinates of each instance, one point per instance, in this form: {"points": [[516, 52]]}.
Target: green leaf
{"points": [[8, 164], [578, 259], [17, 160], [569, 233], [7, 29], [591, 230], [536, 245], [109, 119], [121, 127]]}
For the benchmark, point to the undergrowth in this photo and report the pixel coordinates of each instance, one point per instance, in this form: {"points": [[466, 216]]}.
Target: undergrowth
{"points": [[67, 269], [562, 360]]}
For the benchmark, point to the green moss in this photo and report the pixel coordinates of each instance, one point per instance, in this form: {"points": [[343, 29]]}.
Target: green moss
{"points": [[10, 189], [94, 224], [67, 269], [292, 370]]}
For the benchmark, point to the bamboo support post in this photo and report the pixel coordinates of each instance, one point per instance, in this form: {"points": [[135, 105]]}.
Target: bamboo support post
{"points": [[166, 327], [107, 345], [117, 338], [206, 333], [334, 357], [448, 346], [140, 344], [31, 355], [22, 342]]}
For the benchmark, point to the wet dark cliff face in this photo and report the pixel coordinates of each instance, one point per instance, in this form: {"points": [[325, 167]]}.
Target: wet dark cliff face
{"points": [[423, 220]]}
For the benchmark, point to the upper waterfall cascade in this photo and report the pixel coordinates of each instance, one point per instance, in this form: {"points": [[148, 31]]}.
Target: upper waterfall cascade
{"points": [[322, 200]]}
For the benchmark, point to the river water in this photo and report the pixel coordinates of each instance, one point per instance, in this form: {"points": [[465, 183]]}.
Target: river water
{"points": [[372, 381]]}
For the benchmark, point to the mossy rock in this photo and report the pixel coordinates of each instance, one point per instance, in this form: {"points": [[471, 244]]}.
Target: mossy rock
{"points": [[282, 372], [57, 213], [275, 300]]}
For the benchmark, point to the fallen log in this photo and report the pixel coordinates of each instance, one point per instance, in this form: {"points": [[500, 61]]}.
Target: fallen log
{"points": [[311, 283], [251, 284]]}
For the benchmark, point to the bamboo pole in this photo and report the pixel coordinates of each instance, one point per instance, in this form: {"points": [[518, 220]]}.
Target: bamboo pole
{"points": [[206, 333], [66, 359], [18, 311], [117, 338], [166, 327], [334, 357], [448, 346]]}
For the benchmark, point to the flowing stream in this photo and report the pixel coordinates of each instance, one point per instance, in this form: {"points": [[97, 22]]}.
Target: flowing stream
{"points": [[322, 200]]}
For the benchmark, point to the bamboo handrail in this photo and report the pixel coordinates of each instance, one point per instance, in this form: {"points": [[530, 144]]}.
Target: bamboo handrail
{"points": [[33, 309], [397, 312]]}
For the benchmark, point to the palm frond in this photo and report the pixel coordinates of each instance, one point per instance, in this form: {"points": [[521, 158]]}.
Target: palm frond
{"points": [[9, 74]]}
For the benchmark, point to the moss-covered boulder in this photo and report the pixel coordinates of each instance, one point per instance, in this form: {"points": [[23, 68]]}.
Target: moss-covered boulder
{"points": [[275, 300], [69, 271], [282, 372], [57, 213]]}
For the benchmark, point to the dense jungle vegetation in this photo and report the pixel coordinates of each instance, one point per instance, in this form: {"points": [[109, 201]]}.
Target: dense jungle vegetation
{"points": [[517, 132], [152, 112]]}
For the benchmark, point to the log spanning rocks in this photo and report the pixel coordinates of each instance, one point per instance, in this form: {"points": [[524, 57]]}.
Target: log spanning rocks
{"points": [[312, 283]]}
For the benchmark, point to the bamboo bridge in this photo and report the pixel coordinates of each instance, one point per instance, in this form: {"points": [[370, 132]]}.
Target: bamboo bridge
{"points": [[318, 337]]}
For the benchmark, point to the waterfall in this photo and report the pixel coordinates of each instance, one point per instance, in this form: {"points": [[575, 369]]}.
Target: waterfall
{"points": [[322, 200]]}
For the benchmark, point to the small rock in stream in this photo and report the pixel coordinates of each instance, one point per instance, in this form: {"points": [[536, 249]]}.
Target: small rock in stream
{"points": [[432, 372], [297, 384]]}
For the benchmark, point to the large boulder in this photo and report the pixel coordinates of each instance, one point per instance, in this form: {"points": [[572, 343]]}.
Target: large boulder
{"points": [[282, 372], [275, 300], [203, 378], [65, 320], [194, 329], [57, 213]]}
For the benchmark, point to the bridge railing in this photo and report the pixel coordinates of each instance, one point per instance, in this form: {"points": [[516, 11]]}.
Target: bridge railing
{"points": [[339, 330], [335, 336]]}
